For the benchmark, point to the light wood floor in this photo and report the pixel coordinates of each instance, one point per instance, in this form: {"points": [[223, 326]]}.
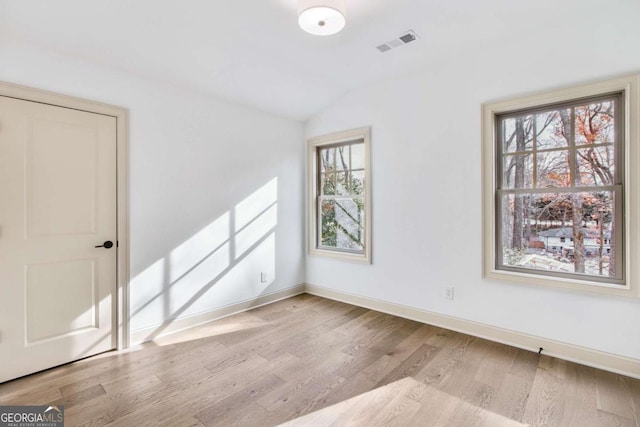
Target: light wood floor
{"points": [[308, 361]]}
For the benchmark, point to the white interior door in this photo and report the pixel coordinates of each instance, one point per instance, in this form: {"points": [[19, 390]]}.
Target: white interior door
{"points": [[57, 202]]}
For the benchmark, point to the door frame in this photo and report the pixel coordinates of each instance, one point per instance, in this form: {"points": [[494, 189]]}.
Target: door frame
{"points": [[120, 317]]}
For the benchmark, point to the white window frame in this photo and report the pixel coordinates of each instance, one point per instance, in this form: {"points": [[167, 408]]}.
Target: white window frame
{"points": [[630, 87], [359, 135]]}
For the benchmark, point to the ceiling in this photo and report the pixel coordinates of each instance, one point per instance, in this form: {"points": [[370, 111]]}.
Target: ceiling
{"points": [[252, 52]]}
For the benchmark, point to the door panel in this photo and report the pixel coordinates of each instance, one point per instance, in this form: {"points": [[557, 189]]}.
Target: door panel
{"points": [[76, 287], [57, 202], [56, 180]]}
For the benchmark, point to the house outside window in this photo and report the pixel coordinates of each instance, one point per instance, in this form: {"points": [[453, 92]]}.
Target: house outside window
{"points": [[339, 195], [560, 172]]}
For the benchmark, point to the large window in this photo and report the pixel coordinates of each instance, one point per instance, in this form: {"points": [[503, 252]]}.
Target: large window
{"points": [[559, 180], [339, 195]]}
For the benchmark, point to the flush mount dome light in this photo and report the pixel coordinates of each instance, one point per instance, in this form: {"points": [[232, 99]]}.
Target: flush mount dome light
{"points": [[321, 17]]}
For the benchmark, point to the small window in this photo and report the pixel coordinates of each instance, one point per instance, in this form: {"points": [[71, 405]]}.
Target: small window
{"points": [[339, 223], [555, 172]]}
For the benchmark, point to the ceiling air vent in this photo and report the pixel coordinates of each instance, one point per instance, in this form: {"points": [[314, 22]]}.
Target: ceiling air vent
{"points": [[408, 38], [405, 38]]}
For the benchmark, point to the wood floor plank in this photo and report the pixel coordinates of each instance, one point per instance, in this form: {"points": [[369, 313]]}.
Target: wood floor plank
{"points": [[525, 365], [399, 412], [510, 400], [236, 324], [108, 365], [545, 406], [306, 400], [612, 395], [119, 406], [321, 312], [479, 394], [605, 419], [466, 414], [579, 396], [252, 415], [232, 406], [327, 343], [491, 370], [382, 367], [299, 379], [367, 405], [633, 388], [436, 407], [350, 327], [401, 408], [453, 366], [412, 364], [80, 397], [385, 337], [310, 361], [372, 331], [131, 383], [37, 397], [355, 386], [413, 342], [556, 367], [294, 343], [182, 401]]}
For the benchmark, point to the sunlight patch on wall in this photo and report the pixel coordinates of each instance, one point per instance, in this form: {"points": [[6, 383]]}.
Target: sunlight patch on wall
{"points": [[253, 206], [256, 230], [221, 264], [194, 282], [147, 286], [193, 251]]}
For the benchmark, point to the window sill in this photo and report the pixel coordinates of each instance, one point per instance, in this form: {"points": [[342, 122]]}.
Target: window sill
{"points": [[343, 256], [562, 283]]}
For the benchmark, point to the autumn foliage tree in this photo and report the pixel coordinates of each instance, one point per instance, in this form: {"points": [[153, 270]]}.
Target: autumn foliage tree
{"points": [[570, 149]]}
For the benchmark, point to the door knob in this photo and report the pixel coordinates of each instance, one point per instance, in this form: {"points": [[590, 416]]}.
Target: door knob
{"points": [[107, 245]]}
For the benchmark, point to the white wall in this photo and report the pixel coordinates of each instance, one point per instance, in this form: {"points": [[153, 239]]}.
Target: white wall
{"points": [[427, 184], [194, 163]]}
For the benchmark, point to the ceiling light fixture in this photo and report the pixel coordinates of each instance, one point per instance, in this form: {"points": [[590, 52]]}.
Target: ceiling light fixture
{"points": [[321, 17]]}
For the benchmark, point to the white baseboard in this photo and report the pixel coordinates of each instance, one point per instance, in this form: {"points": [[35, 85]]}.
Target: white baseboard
{"points": [[171, 326], [582, 355]]}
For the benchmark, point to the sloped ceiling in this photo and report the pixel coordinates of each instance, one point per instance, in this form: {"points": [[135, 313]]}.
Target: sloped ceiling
{"points": [[253, 53]]}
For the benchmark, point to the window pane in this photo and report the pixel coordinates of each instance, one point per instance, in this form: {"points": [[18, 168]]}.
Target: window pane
{"points": [[342, 184], [327, 159], [595, 123], [517, 134], [596, 166], [328, 231], [549, 130], [343, 158], [553, 169], [342, 224], [538, 232], [328, 184], [518, 171], [357, 183], [357, 156]]}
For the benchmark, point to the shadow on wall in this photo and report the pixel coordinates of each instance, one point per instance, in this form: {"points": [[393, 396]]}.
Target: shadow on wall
{"points": [[219, 265]]}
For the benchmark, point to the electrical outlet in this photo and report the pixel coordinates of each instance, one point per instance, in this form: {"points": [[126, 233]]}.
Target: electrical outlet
{"points": [[263, 277], [448, 292]]}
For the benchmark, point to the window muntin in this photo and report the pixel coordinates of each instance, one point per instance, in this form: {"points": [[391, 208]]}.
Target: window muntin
{"points": [[559, 190]]}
